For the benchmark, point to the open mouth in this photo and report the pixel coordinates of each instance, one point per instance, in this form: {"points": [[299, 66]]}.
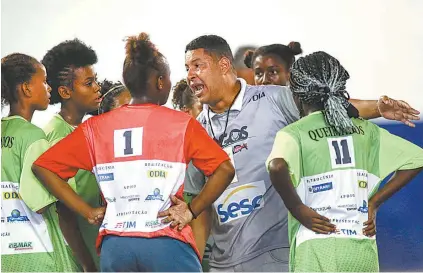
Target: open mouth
{"points": [[198, 89]]}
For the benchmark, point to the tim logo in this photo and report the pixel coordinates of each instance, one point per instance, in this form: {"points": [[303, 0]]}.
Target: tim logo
{"points": [[321, 187], [155, 196], [234, 136], [106, 177], [131, 224], [363, 208], [239, 148]]}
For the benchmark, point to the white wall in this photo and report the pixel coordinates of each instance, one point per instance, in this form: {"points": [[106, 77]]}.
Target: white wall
{"points": [[380, 42]]}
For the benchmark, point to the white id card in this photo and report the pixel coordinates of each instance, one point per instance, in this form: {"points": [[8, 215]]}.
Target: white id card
{"points": [[230, 153]]}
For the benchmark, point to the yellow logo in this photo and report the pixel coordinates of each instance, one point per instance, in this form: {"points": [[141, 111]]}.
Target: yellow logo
{"points": [[11, 195], [157, 174], [362, 184]]}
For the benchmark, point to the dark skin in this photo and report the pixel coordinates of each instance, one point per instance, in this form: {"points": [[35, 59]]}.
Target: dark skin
{"points": [[281, 180], [79, 99], [158, 88], [271, 69]]}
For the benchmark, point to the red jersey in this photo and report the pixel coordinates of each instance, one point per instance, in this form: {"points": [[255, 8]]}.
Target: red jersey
{"points": [[139, 154]]}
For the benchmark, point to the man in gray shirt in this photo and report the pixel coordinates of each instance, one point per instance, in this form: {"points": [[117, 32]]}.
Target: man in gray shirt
{"points": [[249, 221]]}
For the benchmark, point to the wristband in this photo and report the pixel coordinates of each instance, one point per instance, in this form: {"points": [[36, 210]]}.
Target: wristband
{"points": [[190, 209]]}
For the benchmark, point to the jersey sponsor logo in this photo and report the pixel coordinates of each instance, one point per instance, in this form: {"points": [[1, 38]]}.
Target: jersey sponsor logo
{"points": [[128, 224], [132, 212], [239, 148], [21, 246], [234, 136], [7, 141], [326, 132], [130, 198], [348, 232], [157, 174], [321, 208], [11, 195], [321, 187], [5, 234], [239, 202], [155, 196], [103, 225], [152, 224], [129, 187], [106, 177], [363, 208], [15, 216], [348, 206], [256, 97], [362, 184], [350, 195], [110, 200]]}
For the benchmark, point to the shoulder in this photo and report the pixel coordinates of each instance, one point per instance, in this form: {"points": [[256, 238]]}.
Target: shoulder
{"points": [[56, 129]]}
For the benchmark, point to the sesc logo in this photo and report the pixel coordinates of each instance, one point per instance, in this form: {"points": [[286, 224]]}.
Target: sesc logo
{"points": [[157, 174], [11, 195], [239, 202], [15, 216]]}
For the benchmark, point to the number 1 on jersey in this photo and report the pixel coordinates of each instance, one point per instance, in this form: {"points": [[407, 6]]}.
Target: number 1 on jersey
{"points": [[341, 152], [128, 142]]}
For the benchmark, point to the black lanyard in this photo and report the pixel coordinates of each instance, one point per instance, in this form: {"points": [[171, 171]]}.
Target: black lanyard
{"points": [[219, 141]]}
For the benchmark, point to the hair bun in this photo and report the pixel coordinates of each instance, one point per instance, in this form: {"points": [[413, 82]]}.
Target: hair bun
{"points": [[140, 49], [248, 58], [295, 48]]}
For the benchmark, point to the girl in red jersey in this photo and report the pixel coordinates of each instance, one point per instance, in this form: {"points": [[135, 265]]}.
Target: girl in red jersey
{"points": [[139, 154]]}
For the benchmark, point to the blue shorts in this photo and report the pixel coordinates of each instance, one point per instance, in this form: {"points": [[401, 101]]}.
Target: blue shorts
{"points": [[137, 254]]}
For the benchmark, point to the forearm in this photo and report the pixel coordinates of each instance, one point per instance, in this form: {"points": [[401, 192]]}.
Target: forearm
{"points": [[68, 223], [367, 108], [398, 180], [62, 191], [214, 187], [201, 229]]}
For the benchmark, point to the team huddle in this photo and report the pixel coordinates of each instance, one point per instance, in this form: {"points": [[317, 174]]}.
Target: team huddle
{"points": [[280, 173]]}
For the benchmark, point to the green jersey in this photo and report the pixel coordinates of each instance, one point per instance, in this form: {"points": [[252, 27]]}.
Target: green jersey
{"points": [[84, 183], [335, 174], [29, 241]]}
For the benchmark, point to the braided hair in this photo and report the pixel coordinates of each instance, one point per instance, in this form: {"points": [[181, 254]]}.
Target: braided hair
{"points": [[108, 98], [285, 53], [319, 79], [60, 62]]}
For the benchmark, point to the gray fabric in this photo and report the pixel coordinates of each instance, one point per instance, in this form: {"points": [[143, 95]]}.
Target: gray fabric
{"points": [[241, 235]]}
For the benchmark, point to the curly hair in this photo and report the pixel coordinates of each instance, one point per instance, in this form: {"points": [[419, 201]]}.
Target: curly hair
{"points": [[16, 69], [112, 90], [182, 95], [142, 58], [61, 61]]}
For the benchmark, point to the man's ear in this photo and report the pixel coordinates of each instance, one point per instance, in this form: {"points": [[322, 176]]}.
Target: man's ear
{"points": [[64, 92], [225, 65]]}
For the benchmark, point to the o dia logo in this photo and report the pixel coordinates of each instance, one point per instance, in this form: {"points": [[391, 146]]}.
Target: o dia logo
{"points": [[362, 184]]}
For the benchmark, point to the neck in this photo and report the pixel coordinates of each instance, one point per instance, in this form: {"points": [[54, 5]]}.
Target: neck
{"points": [[229, 95], [19, 109], [71, 114], [308, 109], [144, 100]]}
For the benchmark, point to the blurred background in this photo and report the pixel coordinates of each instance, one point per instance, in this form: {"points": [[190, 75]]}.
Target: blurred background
{"points": [[380, 42]]}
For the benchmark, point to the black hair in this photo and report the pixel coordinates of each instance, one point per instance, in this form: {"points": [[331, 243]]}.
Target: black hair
{"points": [[213, 45], [285, 53], [16, 68], [239, 56], [142, 58], [111, 91], [319, 79], [183, 96], [60, 62]]}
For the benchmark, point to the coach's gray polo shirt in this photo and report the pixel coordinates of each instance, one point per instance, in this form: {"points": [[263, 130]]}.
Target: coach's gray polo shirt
{"points": [[249, 217]]}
